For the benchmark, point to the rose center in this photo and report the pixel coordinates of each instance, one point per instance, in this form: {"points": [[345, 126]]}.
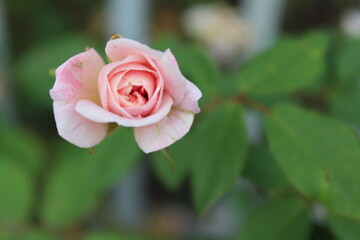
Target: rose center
{"points": [[135, 89]]}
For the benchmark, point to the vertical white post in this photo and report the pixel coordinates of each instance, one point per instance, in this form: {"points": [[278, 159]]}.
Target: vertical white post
{"points": [[130, 18], [265, 18]]}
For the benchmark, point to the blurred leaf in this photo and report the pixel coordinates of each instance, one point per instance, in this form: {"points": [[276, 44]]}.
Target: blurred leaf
{"points": [[109, 236], [79, 179], [347, 64], [32, 71], [194, 63], [16, 192], [292, 64], [280, 219], [345, 105], [345, 228], [171, 178], [39, 235], [21, 147], [217, 154], [319, 155], [262, 169]]}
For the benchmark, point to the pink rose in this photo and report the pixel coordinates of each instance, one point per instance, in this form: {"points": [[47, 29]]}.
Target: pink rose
{"points": [[141, 88]]}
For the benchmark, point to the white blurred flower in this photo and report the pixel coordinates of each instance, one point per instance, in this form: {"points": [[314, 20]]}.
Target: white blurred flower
{"points": [[350, 22], [219, 27]]}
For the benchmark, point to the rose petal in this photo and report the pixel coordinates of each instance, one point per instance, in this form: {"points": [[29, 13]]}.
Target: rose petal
{"points": [[75, 128], [95, 113], [190, 101], [77, 79], [119, 49], [175, 82], [162, 134]]}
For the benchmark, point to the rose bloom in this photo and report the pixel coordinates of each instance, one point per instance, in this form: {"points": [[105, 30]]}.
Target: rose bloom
{"points": [[141, 88]]}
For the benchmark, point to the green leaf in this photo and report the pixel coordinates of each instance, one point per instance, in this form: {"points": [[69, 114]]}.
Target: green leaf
{"points": [[78, 180], [345, 105], [292, 64], [347, 61], [103, 235], [345, 228], [32, 71], [281, 219], [319, 155], [21, 147], [217, 154], [16, 193], [171, 176], [38, 235], [262, 169]]}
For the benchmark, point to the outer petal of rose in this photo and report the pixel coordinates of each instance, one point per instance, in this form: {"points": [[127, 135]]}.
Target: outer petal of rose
{"points": [[119, 49], [190, 100], [75, 128], [175, 82], [77, 79], [97, 114], [162, 134]]}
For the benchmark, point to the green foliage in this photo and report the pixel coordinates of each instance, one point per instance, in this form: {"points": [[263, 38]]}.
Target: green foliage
{"points": [[16, 193], [319, 155], [294, 63], [22, 147], [345, 105], [345, 228], [278, 220], [32, 71], [108, 236], [347, 64], [80, 178], [219, 157], [170, 166], [262, 170]]}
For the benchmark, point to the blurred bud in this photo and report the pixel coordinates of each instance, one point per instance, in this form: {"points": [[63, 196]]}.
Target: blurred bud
{"points": [[350, 22], [219, 27]]}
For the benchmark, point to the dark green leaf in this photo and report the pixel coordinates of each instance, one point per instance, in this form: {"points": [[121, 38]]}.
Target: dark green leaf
{"points": [[345, 228], [32, 71], [170, 165], [109, 236], [319, 155], [21, 147], [16, 192], [348, 65], [345, 105], [79, 179], [217, 155], [292, 64], [279, 220], [262, 169]]}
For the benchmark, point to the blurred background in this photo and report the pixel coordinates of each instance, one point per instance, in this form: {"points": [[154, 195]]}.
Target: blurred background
{"points": [[50, 189]]}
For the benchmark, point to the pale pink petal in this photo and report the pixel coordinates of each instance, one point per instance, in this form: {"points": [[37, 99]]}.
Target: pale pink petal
{"points": [[75, 128], [95, 113], [164, 133], [191, 98], [77, 78], [175, 82], [119, 49]]}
